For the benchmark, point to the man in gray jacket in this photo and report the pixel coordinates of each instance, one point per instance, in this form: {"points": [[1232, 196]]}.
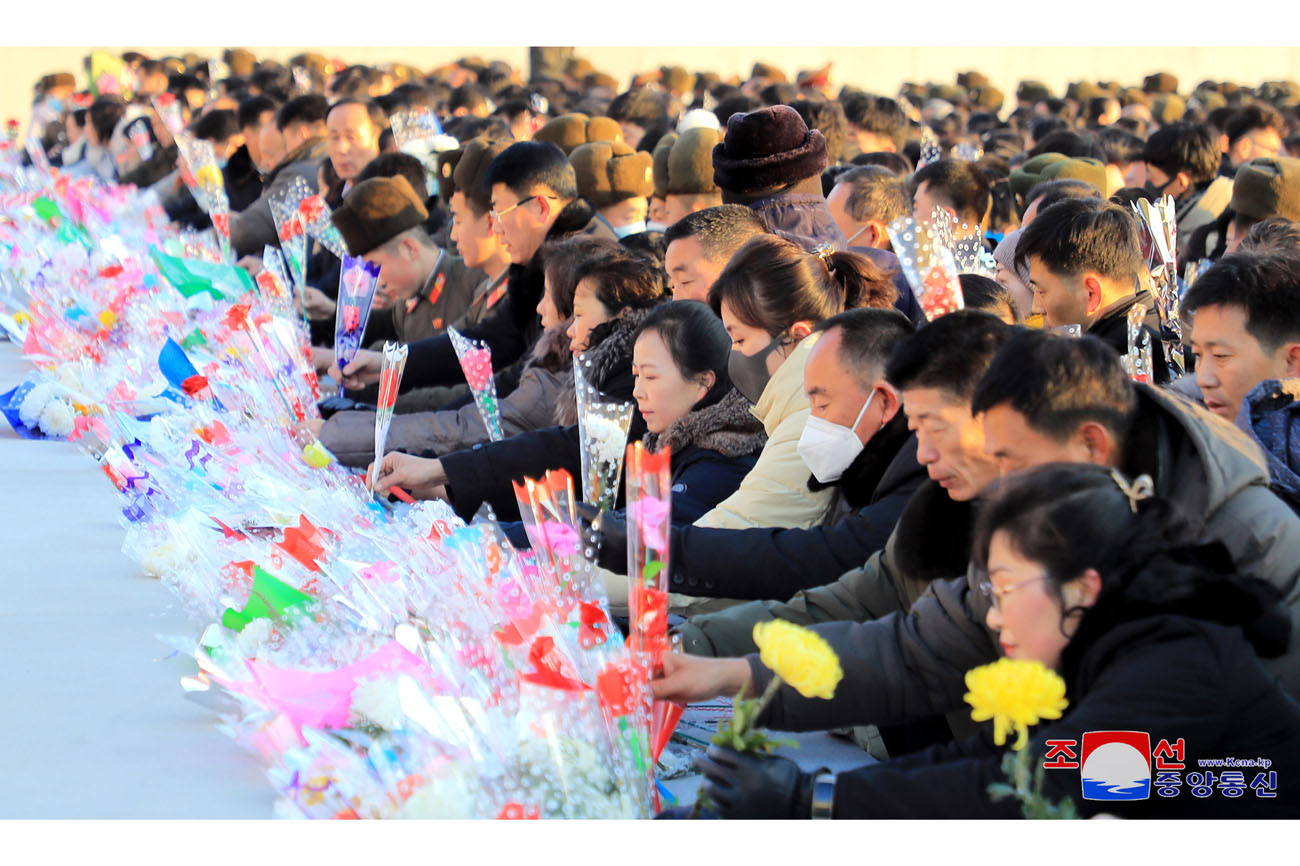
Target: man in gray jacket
{"points": [[301, 122], [1044, 399]]}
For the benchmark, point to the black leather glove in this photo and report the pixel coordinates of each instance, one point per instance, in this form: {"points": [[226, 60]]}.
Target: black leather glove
{"points": [[335, 403], [609, 534], [753, 786]]}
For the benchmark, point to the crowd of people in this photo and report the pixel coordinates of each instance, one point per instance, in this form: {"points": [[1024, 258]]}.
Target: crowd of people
{"points": [[928, 495]]}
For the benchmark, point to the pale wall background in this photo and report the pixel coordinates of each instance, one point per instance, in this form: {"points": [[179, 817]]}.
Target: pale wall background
{"points": [[876, 68]]}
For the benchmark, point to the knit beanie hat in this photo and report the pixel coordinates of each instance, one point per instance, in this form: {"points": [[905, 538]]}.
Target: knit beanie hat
{"points": [[570, 130], [1005, 254], [690, 164], [662, 148], [472, 168], [1267, 186], [609, 172], [770, 147], [376, 211], [1160, 82]]}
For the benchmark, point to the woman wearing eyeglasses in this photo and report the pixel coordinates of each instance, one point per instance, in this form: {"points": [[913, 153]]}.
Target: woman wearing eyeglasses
{"points": [[1151, 633]]}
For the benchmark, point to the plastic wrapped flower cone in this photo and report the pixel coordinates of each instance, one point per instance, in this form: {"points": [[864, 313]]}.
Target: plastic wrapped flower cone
{"points": [[357, 282], [476, 362], [315, 215], [169, 109], [602, 427], [928, 265], [1137, 360], [1158, 233], [289, 227], [930, 151], [390, 378]]}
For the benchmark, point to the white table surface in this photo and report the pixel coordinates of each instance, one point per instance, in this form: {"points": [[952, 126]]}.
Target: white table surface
{"points": [[95, 724]]}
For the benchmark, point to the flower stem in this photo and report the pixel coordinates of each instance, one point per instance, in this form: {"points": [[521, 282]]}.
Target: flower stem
{"points": [[763, 701]]}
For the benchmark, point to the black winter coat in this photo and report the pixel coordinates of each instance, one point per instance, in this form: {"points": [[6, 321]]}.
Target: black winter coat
{"points": [[1112, 329], [1172, 677], [243, 182], [513, 325], [713, 448], [767, 562]]}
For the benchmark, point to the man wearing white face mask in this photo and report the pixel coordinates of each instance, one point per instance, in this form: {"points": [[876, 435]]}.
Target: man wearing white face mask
{"points": [[856, 442]]}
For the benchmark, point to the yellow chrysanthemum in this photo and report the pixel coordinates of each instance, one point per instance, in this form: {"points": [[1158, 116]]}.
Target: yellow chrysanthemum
{"points": [[1014, 694], [208, 177], [799, 657]]}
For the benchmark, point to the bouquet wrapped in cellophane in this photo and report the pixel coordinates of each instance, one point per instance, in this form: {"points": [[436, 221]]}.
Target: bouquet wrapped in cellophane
{"points": [[1158, 233], [476, 363], [380, 661], [603, 427], [358, 280], [928, 265], [390, 378]]}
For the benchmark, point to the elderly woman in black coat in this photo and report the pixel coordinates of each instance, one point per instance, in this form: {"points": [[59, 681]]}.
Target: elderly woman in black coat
{"points": [[1151, 633]]}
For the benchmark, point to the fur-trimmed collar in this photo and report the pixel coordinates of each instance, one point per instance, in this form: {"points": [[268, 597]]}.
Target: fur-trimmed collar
{"points": [[573, 217], [933, 537], [726, 426], [551, 351], [610, 353]]}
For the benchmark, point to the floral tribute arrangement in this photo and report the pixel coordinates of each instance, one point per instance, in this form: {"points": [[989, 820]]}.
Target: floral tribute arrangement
{"points": [[381, 661], [602, 429], [476, 363], [928, 264]]}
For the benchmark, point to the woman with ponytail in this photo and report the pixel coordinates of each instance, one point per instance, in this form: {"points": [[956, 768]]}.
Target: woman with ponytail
{"points": [[770, 296]]}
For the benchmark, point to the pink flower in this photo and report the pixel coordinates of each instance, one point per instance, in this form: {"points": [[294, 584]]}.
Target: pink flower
{"points": [[562, 538], [652, 516]]}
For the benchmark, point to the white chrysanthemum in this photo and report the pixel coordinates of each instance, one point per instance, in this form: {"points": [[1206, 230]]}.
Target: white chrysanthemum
{"points": [[254, 637], [168, 558], [376, 701], [29, 411], [607, 436], [569, 779], [57, 418]]}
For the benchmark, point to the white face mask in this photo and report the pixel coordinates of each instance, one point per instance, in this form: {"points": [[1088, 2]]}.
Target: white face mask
{"points": [[629, 229], [830, 448], [652, 226]]}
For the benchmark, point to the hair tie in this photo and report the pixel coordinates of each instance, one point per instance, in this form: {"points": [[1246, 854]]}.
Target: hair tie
{"points": [[1136, 490], [824, 252]]}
